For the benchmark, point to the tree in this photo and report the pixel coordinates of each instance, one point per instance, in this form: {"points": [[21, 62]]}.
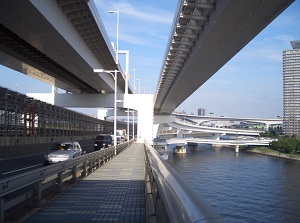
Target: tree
{"points": [[286, 144]]}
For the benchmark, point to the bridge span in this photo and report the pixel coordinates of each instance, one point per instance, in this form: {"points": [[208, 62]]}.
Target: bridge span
{"points": [[197, 128], [219, 142], [60, 43], [179, 128], [201, 119], [133, 186], [204, 37]]}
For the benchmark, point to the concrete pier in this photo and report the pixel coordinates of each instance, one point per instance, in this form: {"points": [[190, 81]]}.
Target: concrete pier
{"points": [[237, 147], [179, 149]]}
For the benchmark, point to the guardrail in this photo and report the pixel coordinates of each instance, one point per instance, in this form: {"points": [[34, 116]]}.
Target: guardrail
{"points": [[29, 187], [169, 197]]}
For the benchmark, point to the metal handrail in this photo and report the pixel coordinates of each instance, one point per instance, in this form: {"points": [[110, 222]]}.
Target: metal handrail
{"points": [[181, 202], [13, 189]]}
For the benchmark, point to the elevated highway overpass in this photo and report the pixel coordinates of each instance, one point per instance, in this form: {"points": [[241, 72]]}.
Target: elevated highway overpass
{"points": [[60, 43], [183, 123], [255, 142], [201, 119], [219, 131], [205, 36], [217, 142]]}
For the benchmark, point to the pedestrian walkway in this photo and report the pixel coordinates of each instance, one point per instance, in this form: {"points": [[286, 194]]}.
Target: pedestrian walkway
{"points": [[113, 193]]}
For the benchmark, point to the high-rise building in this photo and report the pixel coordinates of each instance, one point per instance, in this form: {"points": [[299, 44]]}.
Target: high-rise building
{"points": [[201, 111], [291, 90]]}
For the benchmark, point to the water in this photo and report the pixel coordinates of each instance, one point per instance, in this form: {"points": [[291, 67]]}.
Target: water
{"points": [[243, 187]]}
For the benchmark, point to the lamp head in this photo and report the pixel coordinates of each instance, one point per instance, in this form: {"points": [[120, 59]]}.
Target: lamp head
{"points": [[98, 70]]}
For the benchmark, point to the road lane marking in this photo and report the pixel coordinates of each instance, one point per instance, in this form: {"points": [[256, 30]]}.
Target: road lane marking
{"points": [[22, 169]]}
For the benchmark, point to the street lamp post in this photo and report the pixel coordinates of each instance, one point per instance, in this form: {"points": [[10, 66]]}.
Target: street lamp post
{"points": [[132, 125], [132, 112], [139, 85], [128, 126], [133, 80], [115, 101], [117, 40]]}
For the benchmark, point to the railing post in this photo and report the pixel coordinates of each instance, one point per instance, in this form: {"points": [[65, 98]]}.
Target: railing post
{"points": [[150, 209], [1, 209], [74, 174], [90, 169], [104, 157], [38, 202], [60, 187], [94, 164], [84, 173], [98, 161], [101, 162]]}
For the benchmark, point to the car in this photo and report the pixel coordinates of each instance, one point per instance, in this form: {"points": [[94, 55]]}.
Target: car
{"points": [[120, 139], [62, 151], [103, 141]]}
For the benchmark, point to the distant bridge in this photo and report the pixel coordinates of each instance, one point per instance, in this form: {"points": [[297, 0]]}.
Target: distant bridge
{"points": [[215, 142], [201, 119], [174, 122]]}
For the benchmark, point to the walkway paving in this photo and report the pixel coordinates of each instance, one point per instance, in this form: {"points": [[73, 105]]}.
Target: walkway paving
{"points": [[113, 193]]}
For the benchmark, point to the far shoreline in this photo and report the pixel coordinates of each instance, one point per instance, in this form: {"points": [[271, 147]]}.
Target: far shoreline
{"points": [[269, 152]]}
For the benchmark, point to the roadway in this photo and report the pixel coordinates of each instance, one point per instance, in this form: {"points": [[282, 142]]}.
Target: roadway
{"points": [[206, 129], [17, 165]]}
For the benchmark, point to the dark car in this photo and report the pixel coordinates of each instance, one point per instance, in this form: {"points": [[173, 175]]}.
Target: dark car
{"points": [[103, 141], [62, 152]]}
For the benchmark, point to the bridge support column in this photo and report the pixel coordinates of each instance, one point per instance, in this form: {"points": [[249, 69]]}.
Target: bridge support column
{"points": [[237, 148], [179, 149], [179, 134], [266, 127], [217, 136]]}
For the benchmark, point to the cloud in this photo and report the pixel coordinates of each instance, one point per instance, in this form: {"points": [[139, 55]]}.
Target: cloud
{"points": [[143, 36], [147, 14], [269, 52], [134, 40], [285, 38], [138, 12], [140, 23]]}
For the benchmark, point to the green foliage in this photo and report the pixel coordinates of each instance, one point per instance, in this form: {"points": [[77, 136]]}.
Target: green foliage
{"points": [[286, 144]]}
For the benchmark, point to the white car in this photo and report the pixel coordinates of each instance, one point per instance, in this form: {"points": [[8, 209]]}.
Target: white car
{"points": [[62, 152]]}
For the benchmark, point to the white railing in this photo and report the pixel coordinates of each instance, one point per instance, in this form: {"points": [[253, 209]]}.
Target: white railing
{"points": [[170, 198]]}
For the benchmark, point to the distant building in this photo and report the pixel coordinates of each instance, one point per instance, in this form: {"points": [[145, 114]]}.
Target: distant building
{"points": [[291, 89], [211, 114], [201, 111]]}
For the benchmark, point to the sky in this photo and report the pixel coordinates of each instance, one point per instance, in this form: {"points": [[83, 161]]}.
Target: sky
{"points": [[249, 85]]}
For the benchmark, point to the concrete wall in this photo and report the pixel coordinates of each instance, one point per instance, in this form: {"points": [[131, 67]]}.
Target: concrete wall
{"points": [[143, 104]]}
